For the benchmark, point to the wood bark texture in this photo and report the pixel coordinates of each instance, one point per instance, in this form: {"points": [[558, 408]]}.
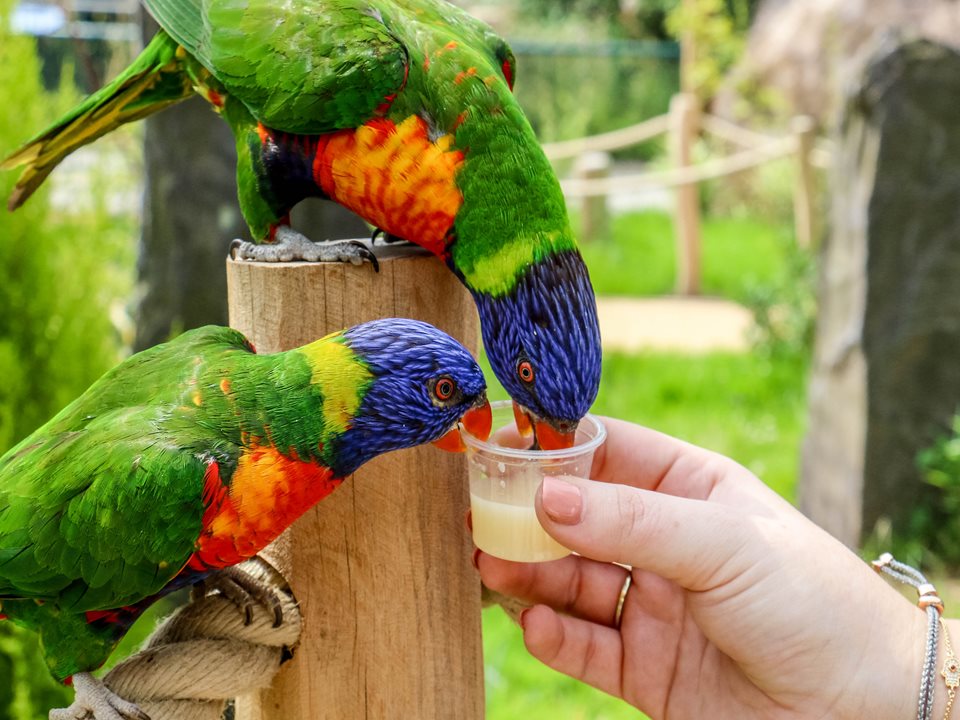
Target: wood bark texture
{"points": [[381, 568]]}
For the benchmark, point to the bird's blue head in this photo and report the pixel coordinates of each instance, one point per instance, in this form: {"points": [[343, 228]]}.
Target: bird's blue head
{"points": [[543, 341], [424, 384]]}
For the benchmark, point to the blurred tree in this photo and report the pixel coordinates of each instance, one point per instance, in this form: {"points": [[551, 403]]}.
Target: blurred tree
{"points": [[635, 19], [715, 32], [885, 379]]}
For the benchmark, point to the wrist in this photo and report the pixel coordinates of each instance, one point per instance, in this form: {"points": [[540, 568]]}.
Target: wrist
{"points": [[941, 695], [886, 682]]}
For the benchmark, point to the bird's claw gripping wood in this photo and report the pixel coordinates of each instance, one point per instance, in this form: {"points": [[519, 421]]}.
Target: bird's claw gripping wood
{"points": [[387, 238], [245, 590], [289, 246], [94, 700]]}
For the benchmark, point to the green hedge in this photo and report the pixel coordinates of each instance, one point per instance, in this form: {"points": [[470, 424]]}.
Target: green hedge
{"points": [[62, 270]]}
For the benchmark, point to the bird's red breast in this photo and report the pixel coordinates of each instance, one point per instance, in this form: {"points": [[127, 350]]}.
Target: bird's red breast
{"points": [[267, 492], [395, 177]]}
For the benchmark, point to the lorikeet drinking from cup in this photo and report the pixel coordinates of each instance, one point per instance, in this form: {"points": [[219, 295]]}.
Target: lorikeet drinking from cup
{"points": [[402, 111], [190, 457]]}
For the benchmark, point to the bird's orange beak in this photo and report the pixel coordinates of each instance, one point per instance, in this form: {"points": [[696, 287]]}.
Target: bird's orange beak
{"points": [[549, 438], [524, 426], [478, 421], [546, 437]]}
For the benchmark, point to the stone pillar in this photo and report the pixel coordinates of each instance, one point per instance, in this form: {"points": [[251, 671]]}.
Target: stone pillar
{"points": [[886, 373]]}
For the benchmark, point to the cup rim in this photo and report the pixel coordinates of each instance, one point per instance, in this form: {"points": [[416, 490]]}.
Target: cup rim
{"points": [[591, 445]]}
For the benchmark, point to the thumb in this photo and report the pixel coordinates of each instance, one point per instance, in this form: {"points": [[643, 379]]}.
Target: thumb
{"points": [[695, 543]]}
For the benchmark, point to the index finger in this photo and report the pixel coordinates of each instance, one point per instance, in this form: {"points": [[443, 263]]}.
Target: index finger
{"points": [[643, 458]]}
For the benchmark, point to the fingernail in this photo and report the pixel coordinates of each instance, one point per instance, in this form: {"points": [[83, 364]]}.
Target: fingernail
{"points": [[469, 520], [522, 618], [476, 558], [561, 501]]}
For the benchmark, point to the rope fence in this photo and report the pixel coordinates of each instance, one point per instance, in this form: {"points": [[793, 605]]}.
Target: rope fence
{"points": [[708, 170], [683, 124], [614, 140]]}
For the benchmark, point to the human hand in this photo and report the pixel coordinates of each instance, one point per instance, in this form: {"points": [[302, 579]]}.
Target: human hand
{"points": [[740, 607]]}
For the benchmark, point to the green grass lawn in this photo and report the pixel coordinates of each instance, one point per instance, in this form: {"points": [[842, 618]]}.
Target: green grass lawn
{"points": [[739, 255], [749, 407]]}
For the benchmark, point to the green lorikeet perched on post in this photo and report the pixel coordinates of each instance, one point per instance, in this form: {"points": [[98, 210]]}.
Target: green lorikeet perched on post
{"points": [[190, 457], [402, 111]]}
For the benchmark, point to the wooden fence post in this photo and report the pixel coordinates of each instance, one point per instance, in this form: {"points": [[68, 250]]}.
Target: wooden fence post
{"points": [[594, 216], [804, 217], [684, 120], [381, 568]]}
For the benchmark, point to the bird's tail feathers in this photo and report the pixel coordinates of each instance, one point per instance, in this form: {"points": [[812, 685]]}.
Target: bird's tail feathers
{"points": [[152, 82]]}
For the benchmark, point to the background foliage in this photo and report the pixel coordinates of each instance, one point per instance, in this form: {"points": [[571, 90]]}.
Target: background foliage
{"points": [[932, 536], [570, 90], [62, 270]]}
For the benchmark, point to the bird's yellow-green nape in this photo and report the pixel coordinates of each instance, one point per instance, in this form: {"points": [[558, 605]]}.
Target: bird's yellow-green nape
{"points": [[343, 376]]}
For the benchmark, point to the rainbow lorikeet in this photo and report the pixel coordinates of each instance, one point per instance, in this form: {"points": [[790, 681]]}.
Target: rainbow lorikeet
{"points": [[190, 457], [402, 111]]}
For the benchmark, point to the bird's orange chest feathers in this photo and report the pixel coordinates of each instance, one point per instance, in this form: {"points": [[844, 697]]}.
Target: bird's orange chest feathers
{"points": [[267, 492], [394, 176]]}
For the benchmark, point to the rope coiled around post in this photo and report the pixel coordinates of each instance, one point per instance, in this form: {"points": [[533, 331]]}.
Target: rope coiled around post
{"points": [[204, 655]]}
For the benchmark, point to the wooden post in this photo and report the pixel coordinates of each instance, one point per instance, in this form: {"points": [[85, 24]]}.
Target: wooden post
{"points": [[684, 121], [804, 218], [594, 218], [381, 568]]}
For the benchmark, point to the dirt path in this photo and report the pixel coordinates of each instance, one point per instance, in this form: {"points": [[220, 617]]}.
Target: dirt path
{"points": [[691, 325]]}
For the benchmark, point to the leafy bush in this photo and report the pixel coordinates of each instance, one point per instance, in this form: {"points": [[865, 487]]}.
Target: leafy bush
{"points": [[785, 307], [61, 272], [718, 31], [933, 535], [931, 538]]}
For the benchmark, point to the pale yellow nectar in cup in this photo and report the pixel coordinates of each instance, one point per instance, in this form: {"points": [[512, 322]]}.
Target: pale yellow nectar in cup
{"points": [[505, 520], [507, 530], [504, 478]]}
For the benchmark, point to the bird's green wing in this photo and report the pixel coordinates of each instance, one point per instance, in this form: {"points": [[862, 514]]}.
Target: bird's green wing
{"points": [[299, 67], [98, 518], [103, 504]]}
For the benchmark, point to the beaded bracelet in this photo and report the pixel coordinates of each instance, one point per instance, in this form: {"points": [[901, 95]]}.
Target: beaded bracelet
{"points": [[930, 603]]}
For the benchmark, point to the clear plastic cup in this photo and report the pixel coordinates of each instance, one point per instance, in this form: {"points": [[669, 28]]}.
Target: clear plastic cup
{"points": [[504, 477]]}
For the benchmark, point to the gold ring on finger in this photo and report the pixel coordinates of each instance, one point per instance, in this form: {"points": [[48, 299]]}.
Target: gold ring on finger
{"points": [[621, 600]]}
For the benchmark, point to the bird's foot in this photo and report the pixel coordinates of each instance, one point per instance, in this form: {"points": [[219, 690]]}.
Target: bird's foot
{"points": [[289, 245], [243, 588], [94, 701], [386, 238]]}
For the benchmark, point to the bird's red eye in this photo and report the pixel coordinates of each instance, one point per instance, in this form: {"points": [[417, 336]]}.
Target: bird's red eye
{"points": [[444, 388], [525, 371]]}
